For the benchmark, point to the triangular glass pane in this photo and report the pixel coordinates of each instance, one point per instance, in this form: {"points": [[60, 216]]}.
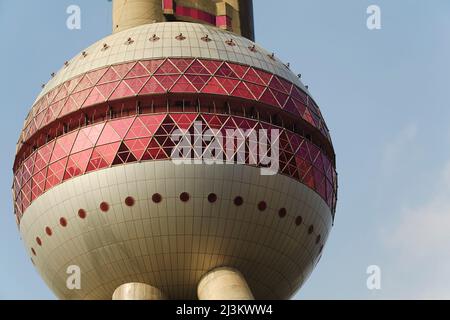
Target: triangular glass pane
{"points": [[108, 152], [214, 121], [83, 84], [152, 151], [314, 152], [197, 68], [183, 86], [62, 93], [96, 75], [269, 99], [198, 81], [80, 97], [152, 65], [295, 142], [184, 121], [252, 76], [211, 65], [43, 156], [226, 71], [238, 69], [298, 94], [108, 135], [107, 89], [69, 106], [96, 162], [308, 179], [214, 87], [77, 164], [167, 81], [299, 106], [138, 146], [93, 132], [242, 91], [276, 84], [47, 118], [38, 119], [281, 97], [290, 107], [137, 130], [137, 71], [286, 84], [124, 156], [167, 68], [152, 122], [122, 126], [51, 95], [28, 167], [95, 97], [265, 77], [307, 116], [110, 76], [38, 183], [136, 84], [123, 69], [57, 107], [152, 87], [255, 89], [55, 173], [71, 84], [228, 84], [122, 91], [182, 64], [318, 163], [63, 146], [87, 137]]}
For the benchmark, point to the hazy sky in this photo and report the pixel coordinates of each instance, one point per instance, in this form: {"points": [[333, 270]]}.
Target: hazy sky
{"points": [[385, 97]]}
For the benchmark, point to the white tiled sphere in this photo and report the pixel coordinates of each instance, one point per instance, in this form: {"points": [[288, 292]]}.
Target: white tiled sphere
{"points": [[169, 46], [171, 245]]}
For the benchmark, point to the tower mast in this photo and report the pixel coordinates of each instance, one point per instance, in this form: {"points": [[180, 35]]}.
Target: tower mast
{"points": [[232, 15]]}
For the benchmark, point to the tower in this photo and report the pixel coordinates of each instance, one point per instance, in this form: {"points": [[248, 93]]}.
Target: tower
{"points": [[98, 182]]}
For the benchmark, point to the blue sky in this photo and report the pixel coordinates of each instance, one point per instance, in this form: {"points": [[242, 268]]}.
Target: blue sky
{"points": [[384, 95]]}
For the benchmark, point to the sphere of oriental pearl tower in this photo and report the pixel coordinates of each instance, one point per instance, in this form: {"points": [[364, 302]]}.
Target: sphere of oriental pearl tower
{"points": [[98, 186]]}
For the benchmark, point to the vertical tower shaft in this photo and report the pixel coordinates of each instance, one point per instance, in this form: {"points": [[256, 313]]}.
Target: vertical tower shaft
{"points": [[231, 15]]}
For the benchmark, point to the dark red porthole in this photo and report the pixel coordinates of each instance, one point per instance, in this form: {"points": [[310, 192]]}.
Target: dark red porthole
{"points": [[104, 206], [262, 206], [156, 198], [129, 201], [184, 197], [63, 222], [238, 201], [212, 197], [82, 213]]}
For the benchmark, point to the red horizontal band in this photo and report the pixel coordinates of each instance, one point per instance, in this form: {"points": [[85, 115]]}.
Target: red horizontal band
{"points": [[156, 77], [195, 14], [147, 138]]}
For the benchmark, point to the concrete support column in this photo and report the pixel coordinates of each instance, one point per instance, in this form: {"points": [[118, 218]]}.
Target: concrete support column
{"points": [[132, 13], [137, 291], [224, 284]]}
